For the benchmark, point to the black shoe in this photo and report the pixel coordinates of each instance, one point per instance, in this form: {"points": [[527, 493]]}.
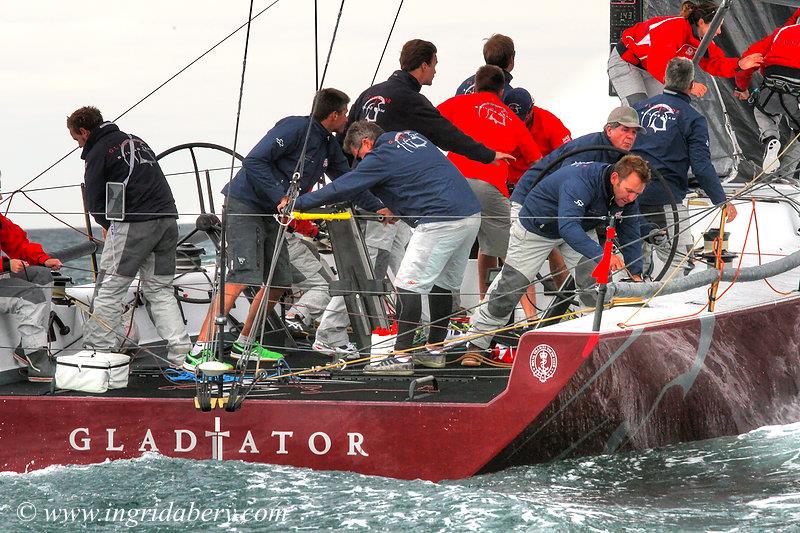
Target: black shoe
{"points": [[297, 326]]}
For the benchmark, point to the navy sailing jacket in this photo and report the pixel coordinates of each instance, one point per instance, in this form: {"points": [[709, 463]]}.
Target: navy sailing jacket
{"points": [[397, 105], [108, 157], [572, 193], [677, 138], [468, 85], [409, 174], [526, 181], [267, 170]]}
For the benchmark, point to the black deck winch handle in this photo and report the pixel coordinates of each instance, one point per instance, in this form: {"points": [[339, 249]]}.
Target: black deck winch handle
{"points": [[412, 387]]}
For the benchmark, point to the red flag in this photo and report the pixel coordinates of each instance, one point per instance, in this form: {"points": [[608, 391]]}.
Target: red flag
{"points": [[603, 268]]}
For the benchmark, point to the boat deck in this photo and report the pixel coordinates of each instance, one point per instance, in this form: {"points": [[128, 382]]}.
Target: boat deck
{"points": [[456, 384]]}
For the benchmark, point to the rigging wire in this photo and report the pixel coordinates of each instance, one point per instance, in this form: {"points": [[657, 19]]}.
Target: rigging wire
{"points": [[386, 45], [220, 272], [159, 87], [316, 46]]}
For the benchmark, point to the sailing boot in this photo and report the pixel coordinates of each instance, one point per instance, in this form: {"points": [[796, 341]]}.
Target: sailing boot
{"points": [[41, 366]]}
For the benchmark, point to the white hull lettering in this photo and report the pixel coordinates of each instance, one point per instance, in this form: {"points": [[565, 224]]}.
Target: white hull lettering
{"points": [[179, 447], [186, 441], [282, 440], [312, 443], [354, 442], [148, 440], [110, 445], [86, 442], [249, 444]]}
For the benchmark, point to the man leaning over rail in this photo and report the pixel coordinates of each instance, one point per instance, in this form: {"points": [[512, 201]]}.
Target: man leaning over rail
{"points": [[142, 240], [562, 212], [412, 178], [676, 139]]}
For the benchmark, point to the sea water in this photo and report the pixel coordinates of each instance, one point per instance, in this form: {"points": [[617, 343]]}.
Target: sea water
{"points": [[749, 482], [745, 483]]}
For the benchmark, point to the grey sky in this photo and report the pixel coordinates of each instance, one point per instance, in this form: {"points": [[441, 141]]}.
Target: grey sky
{"points": [[61, 55]]}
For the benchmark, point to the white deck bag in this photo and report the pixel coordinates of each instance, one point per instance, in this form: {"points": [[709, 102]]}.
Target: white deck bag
{"points": [[90, 371]]}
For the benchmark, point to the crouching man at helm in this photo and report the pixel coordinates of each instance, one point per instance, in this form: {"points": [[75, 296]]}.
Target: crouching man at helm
{"points": [[562, 211], [25, 286]]}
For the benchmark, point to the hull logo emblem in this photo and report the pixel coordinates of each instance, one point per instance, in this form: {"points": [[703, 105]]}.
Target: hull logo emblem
{"points": [[544, 362]]}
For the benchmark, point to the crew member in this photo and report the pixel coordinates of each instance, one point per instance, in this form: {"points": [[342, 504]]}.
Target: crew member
{"points": [[620, 131], [397, 105], [636, 65], [547, 130], [310, 274], [142, 242], [483, 116], [498, 51], [676, 138], [252, 198], [412, 178], [25, 286], [779, 94], [563, 211]]}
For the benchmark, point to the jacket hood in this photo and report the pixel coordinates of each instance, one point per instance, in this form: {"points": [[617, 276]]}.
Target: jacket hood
{"points": [[98, 133]]}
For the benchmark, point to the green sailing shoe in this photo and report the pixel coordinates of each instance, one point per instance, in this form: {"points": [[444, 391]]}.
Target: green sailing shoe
{"points": [[256, 350], [192, 361]]}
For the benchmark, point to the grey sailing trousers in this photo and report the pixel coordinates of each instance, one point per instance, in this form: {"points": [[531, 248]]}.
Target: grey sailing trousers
{"points": [[25, 298], [148, 249], [527, 252]]}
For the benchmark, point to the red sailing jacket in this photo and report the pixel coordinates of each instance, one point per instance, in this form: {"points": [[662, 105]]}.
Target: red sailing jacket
{"points": [[14, 243], [652, 43], [548, 133], [485, 118], [780, 49]]}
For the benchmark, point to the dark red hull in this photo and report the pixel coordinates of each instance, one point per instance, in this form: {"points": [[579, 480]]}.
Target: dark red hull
{"points": [[560, 400]]}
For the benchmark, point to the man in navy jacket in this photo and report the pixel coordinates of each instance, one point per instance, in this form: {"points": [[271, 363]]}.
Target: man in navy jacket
{"points": [[413, 179], [252, 198], [676, 139], [562, 212], [620, 131], [499, 52], [397, 105], [141, 243]]}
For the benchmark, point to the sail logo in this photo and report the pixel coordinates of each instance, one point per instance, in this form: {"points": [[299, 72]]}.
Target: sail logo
{"points": [[658, 117], [492, 113], [374, 107], [544, 362]]}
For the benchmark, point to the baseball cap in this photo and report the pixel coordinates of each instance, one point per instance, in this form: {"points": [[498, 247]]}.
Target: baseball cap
{"points": [[627, 116], [519, 100]]}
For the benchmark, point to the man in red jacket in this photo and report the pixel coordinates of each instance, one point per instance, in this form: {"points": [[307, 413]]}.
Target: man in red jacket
{"points": [[636, 65], [779, 93], [483, 116], [25, 296]]}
